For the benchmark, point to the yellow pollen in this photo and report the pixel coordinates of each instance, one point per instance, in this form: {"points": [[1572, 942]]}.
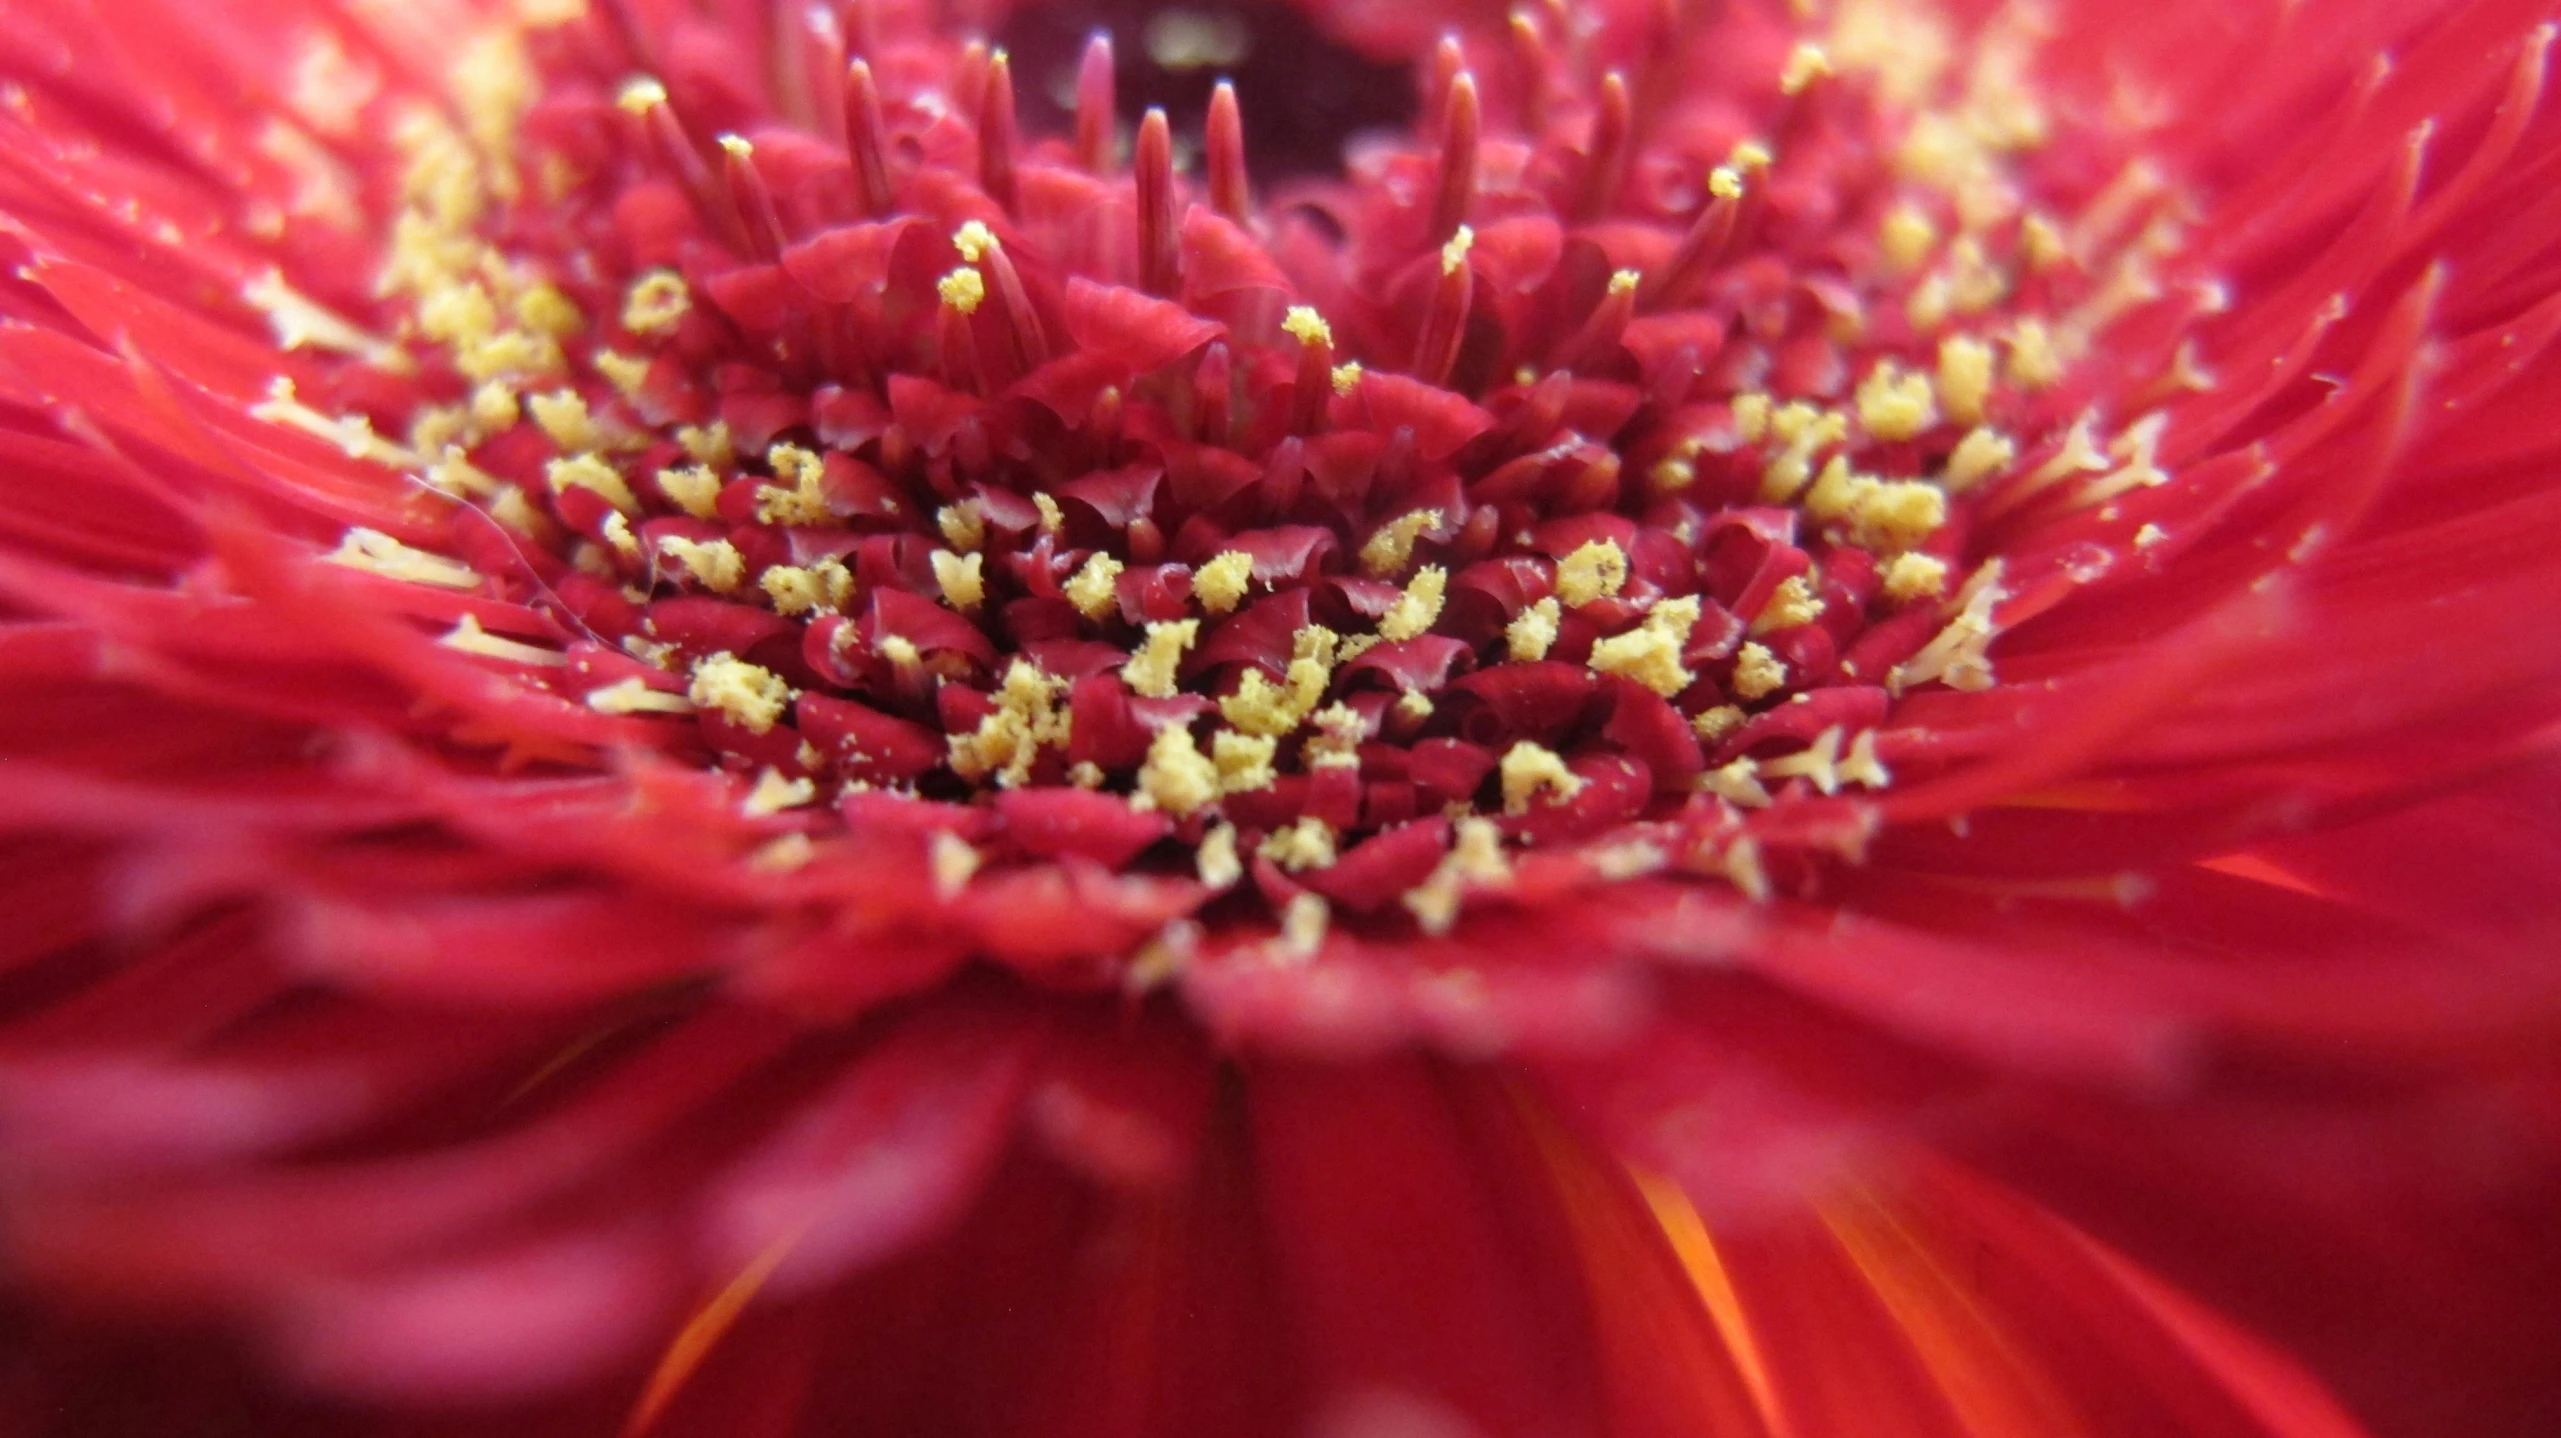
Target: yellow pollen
{"points": [[1052, 519], [716, 565], [632, 696], [1725, 183], [1418, 608], [1392, 547], [774, 793], [974, 241], [586, 471], [1889, 516], [562, 414], [1957, 655], [1152, 670], [964, 289], [1758, 673], [1094, 588], [658, 302], [1177, 778], [1715, 723], [1894, 405], [1977, 457], [1336, 744], [1454, 253], [1625, 282], [1530, 770], [1805, 64], [1651, 653], [1216, 859], [1914, 576], [641, 95], [1308, 326], [1595, 570], [753, 697], [377, 553], [953, 861], [694, 489], [1221, 584], [1008, 742], [796, 591], [1304, 920], [1748, 156], [1965, 378], [710, 444], [1245, 761], [617, 532], [1307, 844], [737, 147], [1906, 238], [2033, 362], [1532, 631], [962, 524], [963, 579], [1752, 413], [804, 501], [1791, 604], [2040, 244], [627, 373], [1347, 377]]}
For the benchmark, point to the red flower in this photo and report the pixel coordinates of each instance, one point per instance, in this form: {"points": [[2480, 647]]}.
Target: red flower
{"points": [[1801, 720]]}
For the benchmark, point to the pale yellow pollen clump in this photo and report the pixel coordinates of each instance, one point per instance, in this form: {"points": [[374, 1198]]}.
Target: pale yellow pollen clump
{"points": [[496, 407], [632, 696], [1792, 603], [586, 471], [1307, 844], [710, 444], [788, 854], [974, 241], [377, 553], [1906, 238], [1153, 669], [1914, 576], [1625, 282], [1651, 653], [1347, 377], [1758, 673], [1895, 404], [1222, 583], [715, 564], [617, 532], [796, 591], [1533, 631], [1965, 378], [1245, 761], [1977, 457], [1389, 550], [1177, 778], [543, 309], [1418, 608], [1593, 571], [1216, 859], [953, 861], [801, 498], [1336, 744], [1008, 742], [2041, 244], [1094, 588], [562, 414], [1475, 858], [1307, 326], [1889, 516], [963, 290], [2033, 364], [1454, 253], [1530, 770], [1714, 724], [963, 525], [657, 303], [753, 696], [1725, 183], [1958, 655], [1052, 518], [1261, 707], [1752, 413], [962, 577], [774, 793], [1805, 64]]}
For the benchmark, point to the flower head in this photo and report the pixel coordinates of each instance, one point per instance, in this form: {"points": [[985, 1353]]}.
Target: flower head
{"points": [[689, 682]]}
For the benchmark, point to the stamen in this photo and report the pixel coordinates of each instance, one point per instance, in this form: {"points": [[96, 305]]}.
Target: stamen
{"points": [[1159, 259], [1605, 158], [996, 134], [1460, 122], [759, 219]]}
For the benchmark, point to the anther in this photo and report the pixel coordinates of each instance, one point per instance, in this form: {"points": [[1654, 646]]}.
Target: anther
{"points": [[1605, 163], [1159, 261], [1095, 139], [759, 219], [1224, 142], [1445, 319], [996, 133], [648, 102], [1460, 123], [866, 140], [1315, 383], [1591, 345]]}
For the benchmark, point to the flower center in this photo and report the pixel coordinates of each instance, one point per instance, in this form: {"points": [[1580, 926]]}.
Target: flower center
{"points": [[1589, 473]]}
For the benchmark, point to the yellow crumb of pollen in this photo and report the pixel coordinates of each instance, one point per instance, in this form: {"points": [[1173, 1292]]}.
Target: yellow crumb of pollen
{"points": [[1475, 857], [1245, 761], [694, 489], [1052, 518], [1977, 457], [1414, 705], [1304, 920], [1965, 378], [627, 373], [1751, 415], [1307, 844], [952, 860], [1216, 859], [774, 793], [1454, 253], [974, 241], [795, 590], [586, 471], [2033, 362], [1595, 570], [470, 638], [1177, 778], [1347, 377], [518, 514], [1529, 770], [1758, 673], [1336, 744], [1906, 238], [455, 474], [1307, 326], [617, 532], [1086, 774], [963, 578], [1418, 608], [1958, 655], [1725, 183], [1094, 588], [710, 444], [2149, 535], [1792, 603], [1533, 631], [543, 309], [1625, 282], [1889, 516], [1650, 654], [641, 95], [1914, 576], [496, 406], [1749, 155], [1153, 669], [801, 498], [657, 303], [963, 290], [1221, 584], [753, 696], [1714, 724], [963, 526], [1895, 404], [737, 146], [1388, 551], [562, 414], [715, 564], [1805, 64], [1800, 422], [511, 352], [1007, 743]]}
